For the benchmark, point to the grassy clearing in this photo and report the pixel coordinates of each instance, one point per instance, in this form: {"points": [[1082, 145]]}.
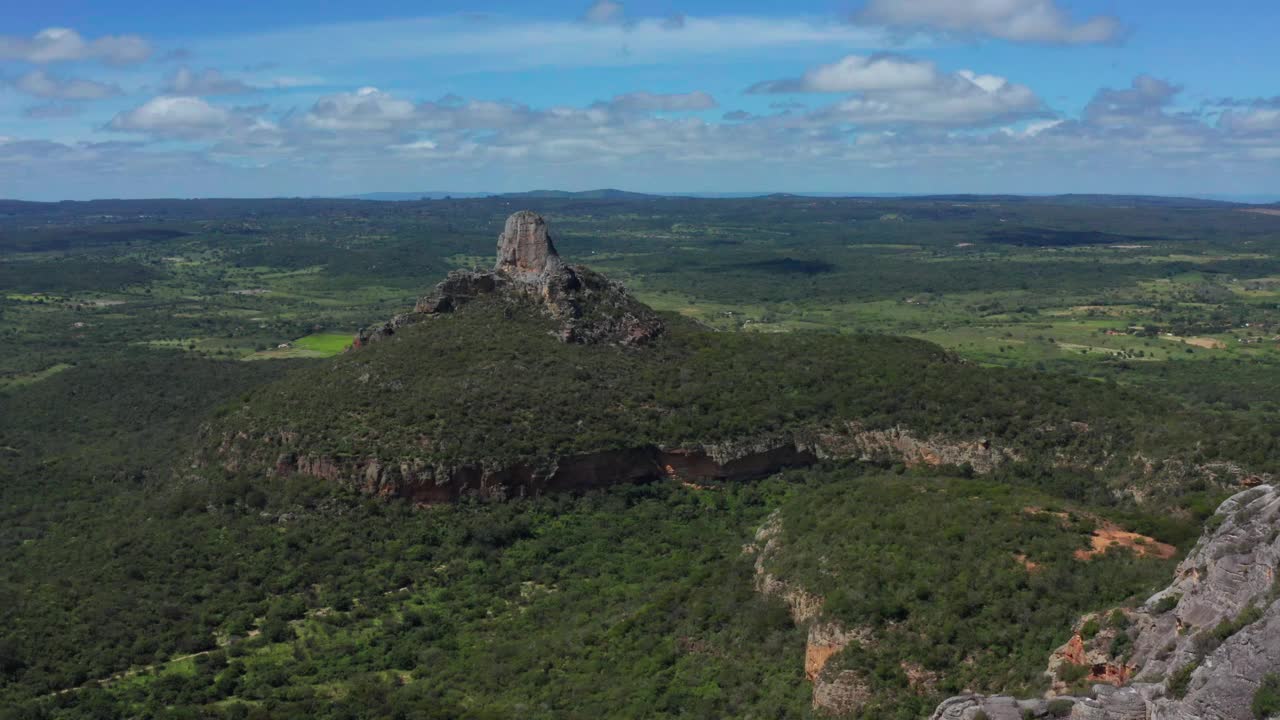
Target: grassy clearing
{"points": [[328, 343], [318, 345], [35, 377]]}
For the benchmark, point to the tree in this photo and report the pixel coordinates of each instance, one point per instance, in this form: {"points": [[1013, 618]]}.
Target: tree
{"points": [[1266, 701]]}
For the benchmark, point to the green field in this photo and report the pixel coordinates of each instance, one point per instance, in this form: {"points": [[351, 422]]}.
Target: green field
{"points": [[327, 343]]}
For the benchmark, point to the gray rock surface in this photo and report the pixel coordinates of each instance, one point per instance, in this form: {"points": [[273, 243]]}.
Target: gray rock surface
{"points": [[525, 250], [1219, 619]]}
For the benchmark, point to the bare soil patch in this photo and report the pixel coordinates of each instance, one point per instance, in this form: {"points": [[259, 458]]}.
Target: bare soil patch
{"points": [[1109, 535]]}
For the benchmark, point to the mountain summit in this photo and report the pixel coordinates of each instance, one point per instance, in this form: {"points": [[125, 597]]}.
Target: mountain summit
{"points": [[590, 308], [525, 250]]}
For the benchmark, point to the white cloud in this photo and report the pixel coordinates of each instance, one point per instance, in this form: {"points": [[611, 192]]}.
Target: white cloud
{"points": [[365, 109], [644, 102], [858, 72], [42, 84], [1257, 120], [1018, 20], [176, 116], [206, 82], [415, 148], [903, 134], [957, 102], [64, 44], [604, 12], [1141, 104], [899, 90], [1032, 128]]}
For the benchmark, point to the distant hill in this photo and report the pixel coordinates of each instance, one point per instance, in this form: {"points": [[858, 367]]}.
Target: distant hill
{"points": [[602, 194], [1080, 199], [1084, 200], [424, 195]]}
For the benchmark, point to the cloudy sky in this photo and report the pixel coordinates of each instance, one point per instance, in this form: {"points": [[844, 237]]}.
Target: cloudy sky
{"points": [[319, 97]]}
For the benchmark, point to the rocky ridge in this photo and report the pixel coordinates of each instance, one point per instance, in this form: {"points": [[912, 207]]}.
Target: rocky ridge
{"points": [[421, 479], [588, 307], [1198, 650]]}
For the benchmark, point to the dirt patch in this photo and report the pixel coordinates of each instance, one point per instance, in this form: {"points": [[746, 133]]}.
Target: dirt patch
{"points": [[1262, 211], [1207, 343], [1109, 535], [1033, 510], [816, 657], [1026, 563]]}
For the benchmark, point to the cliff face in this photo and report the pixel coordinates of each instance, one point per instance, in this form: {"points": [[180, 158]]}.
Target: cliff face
{"points": [[837, 692], [589, 307], [1200, 648], [422, 479]]}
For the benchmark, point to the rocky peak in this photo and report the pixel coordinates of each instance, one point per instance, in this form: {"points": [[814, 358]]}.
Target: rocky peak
{"points": [[525, 250], [589, 307]]}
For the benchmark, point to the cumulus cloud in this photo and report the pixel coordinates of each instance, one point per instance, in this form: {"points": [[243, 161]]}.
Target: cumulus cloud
{"points": [[206, 82], [644, 102], [176, 116], [1260, 120], [962, 127], [605, 12], [962, 99], [899, 90], [64, 44], [42, 84], [1040, 21], [856, 73], [1142, 103], [365, 109]]}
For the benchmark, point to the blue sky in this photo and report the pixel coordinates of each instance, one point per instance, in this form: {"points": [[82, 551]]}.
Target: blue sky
{"points": [[152, 99]]}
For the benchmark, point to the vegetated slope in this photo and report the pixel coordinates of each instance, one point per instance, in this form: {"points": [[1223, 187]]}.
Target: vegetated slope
{"points": [[914, 588], [486, 401], [117, 422], [306, 601], [1207, 646]]}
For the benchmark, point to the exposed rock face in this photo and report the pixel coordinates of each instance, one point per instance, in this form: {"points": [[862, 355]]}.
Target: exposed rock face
{"points": [[525, 250], [423, 479], [589, 307], [835, 691], [1219, 621]]}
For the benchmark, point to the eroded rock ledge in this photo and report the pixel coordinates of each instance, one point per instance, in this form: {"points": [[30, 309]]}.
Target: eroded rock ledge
{"points": [[1200, 647], [589, 308], [836, 692], [426, 480]]}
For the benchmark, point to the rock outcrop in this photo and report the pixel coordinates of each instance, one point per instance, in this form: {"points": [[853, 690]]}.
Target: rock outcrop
{"points": [[421, 478], [1200, 648], [835, 691], [588, 307]]}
